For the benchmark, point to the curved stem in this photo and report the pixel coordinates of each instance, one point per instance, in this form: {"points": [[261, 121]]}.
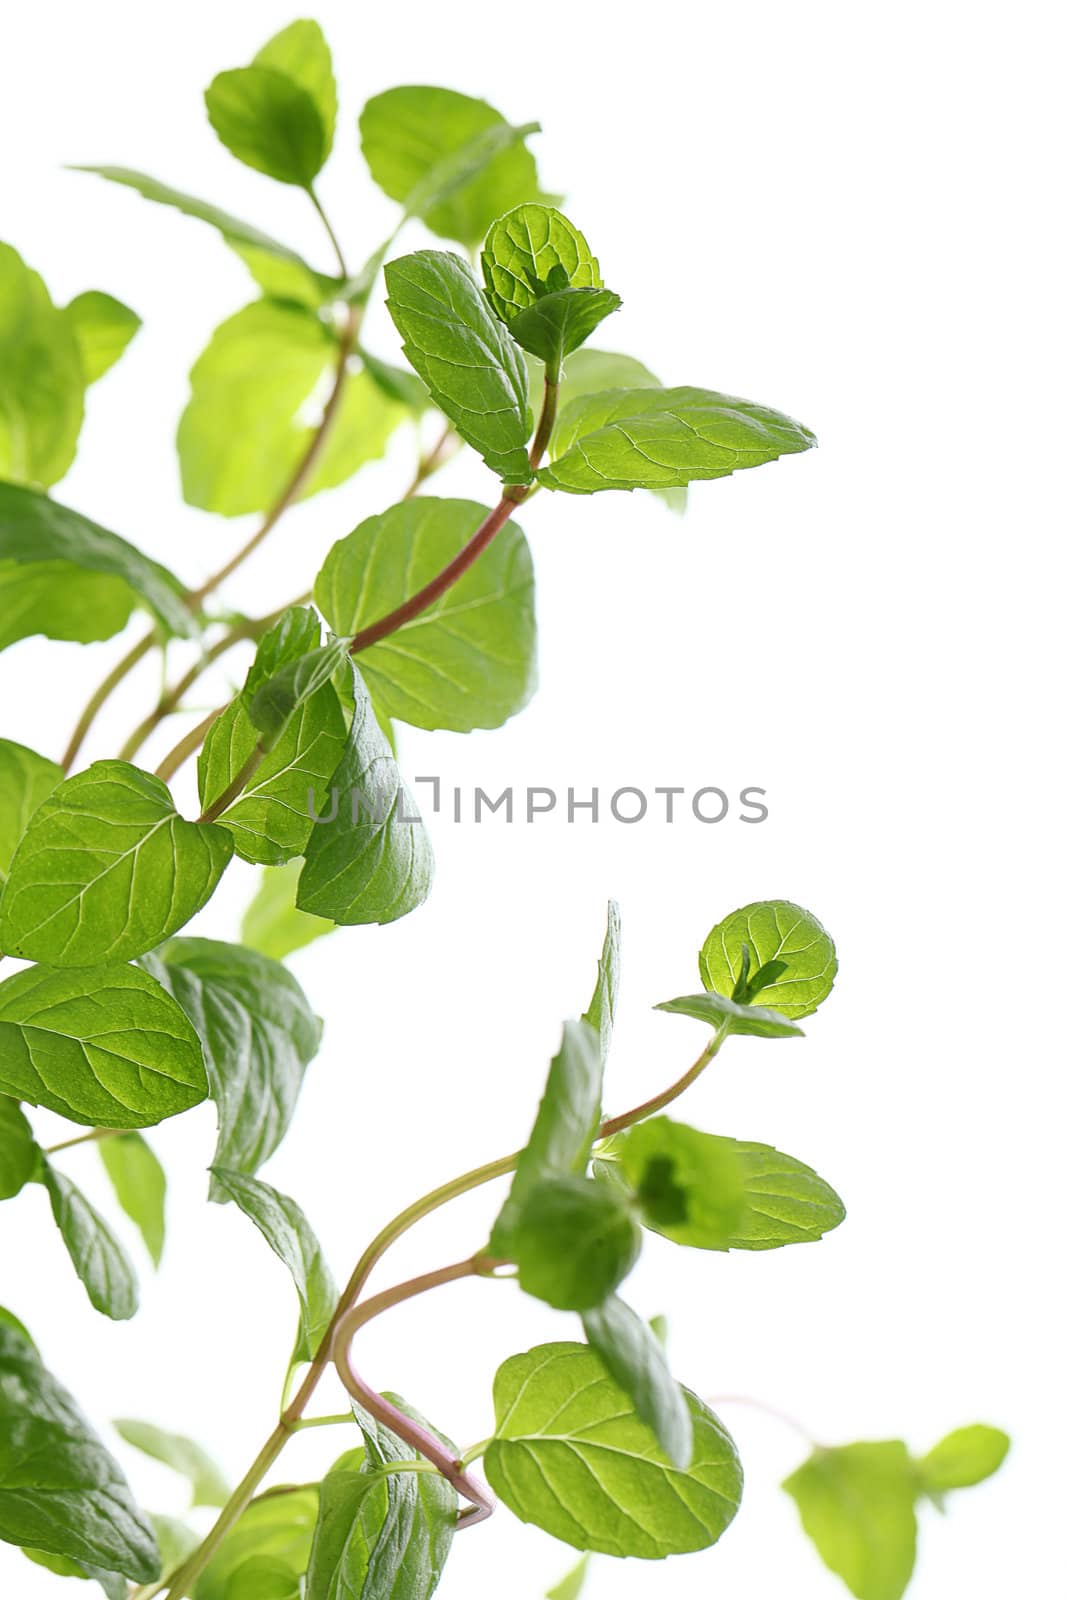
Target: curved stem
{"points": [[236, 785], [171, 698], [188, 745], [94, 1136], [420, 1438], [783, 1417], [100, 696], [328, 225]]}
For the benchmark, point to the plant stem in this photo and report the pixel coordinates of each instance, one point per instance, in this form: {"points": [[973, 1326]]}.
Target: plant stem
{"points": [[338, 252], [236, 785], [547, 422], [99, 697], [429, 463], [294, 1411], [170, 699], [187, 746], [783, 1417], [93, 1137]]}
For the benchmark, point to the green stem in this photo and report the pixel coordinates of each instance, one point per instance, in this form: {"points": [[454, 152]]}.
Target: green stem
{"points": [[321, 1422], [100, 696], [187, 1574], [94, 1137], [187, 745], [236, 786], [328, 225]]}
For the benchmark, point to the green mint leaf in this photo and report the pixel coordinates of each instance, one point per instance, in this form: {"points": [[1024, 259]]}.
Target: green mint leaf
{"points": [[571, 1586], [716, 1009], [564, 1130], [571, 1455], [300, 52], [140, 1186], [288, 1232], [774, 930], [466, 357], [68, 578], [602, 1007], [544, 282], [633, 1355], [532, 252], [468, 661], [8, 1319], [107, 1047], [785, 1201], [558, 323], [857, 1505], [274, 704], [258, 1032], [60, 1490], [272, 924], [664, 438], [575, 1240], [264, 1578], [452, 160], [103, 327], [290, 278], [272, 819], [19, 1155], [690, 1185], [98, 1258], [381, 1533], [270, 122], [963, 1458], [246, 426], [189, 1459], [26, 779], [107, 870], [42, 385], [372, 861], [276, 1527]]}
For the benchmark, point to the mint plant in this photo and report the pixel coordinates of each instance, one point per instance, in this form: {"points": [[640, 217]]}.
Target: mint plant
{"points": [[115, 1020]]}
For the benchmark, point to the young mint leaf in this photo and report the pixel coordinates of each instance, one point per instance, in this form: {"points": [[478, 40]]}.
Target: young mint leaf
{"points": [[26, 779], [563, 1131], [106, 1047], [60, 1490], [270, 122], [288, 1232], [140, 1186], [544, 282], [572, 1585], [785, 1201], [42, 386], [575, 1240], [103, 327], [664, 438], [716, 1009], [857, 1505], [272, 924], [280, 697], [98, 1258], [467, 359], [68, 578], [468, 661], [774, 930], [107, 870], [277, 1527], [290, 278], [557, 324], [689, 1185], [963, 1458], [246, 426], [531, 252], [300, 52], [372, 861], [19, 1155], [259, 1034], [272, 819], [601, 1012], [381, 1533], [633, 1355], [452, 160], [571, 1455], [189, 1459]]}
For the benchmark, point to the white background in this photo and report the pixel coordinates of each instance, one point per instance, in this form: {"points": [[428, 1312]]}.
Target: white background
{"points": [[847, 211]]}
